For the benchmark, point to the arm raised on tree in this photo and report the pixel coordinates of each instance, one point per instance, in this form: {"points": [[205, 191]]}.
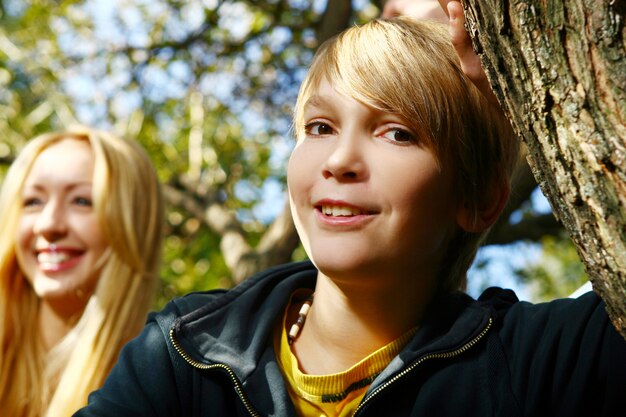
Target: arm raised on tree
{"points": [[470, 62], [419, 9], [450, 11]]}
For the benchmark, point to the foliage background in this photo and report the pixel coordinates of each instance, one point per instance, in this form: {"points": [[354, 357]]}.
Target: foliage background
{"points": [[207, 87]]}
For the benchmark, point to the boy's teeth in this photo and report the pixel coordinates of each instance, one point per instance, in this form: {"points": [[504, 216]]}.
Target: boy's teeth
{"points": [[52, 257], [340, 211]]}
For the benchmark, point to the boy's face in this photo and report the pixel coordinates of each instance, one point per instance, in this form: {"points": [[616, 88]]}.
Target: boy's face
{"points": [[366, 196]]}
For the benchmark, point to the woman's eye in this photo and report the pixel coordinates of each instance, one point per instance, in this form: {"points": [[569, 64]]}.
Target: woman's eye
{"points": [[318, 129], [32, 202], [399, 135], [83, 201]]}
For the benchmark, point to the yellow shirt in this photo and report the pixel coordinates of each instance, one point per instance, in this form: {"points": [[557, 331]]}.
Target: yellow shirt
{"points": [[335, 395]]}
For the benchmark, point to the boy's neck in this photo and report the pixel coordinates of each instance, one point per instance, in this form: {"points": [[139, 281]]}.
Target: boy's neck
{"points": [[343, 328]]}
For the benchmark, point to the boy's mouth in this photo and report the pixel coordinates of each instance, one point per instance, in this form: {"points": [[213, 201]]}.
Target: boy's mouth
{"points": [[329, 209], [340, 211]]}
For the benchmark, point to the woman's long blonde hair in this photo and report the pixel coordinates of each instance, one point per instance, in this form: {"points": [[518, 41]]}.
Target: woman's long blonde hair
{"points": [[128, 203]]}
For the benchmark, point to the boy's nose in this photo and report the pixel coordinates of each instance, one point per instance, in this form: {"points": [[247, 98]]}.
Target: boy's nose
{"points": [[345, 160], [51, 222]]}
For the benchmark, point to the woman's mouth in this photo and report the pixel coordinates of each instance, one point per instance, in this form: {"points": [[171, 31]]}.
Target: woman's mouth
{"points": [[52, 261], [52, 257]]}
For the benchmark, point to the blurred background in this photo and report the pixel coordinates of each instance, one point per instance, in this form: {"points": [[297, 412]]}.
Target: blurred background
{"points": [[207, 87]]}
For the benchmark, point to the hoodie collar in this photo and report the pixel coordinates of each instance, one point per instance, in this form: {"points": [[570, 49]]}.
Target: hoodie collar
{"points": [[236, 327]]}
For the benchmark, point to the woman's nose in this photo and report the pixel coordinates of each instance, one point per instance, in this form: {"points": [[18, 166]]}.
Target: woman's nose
{"points": [[346, 159], [51, 222]]}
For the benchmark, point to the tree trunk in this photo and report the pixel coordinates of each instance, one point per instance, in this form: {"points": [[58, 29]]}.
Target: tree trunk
{"points": [[558, 68]]}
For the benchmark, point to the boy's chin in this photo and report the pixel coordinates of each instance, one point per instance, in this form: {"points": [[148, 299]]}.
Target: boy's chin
{"points": [[344, 268]]}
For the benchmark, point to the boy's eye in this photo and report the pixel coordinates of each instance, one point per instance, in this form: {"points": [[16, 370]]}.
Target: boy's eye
{"points": [[399, 135], [318, 129]]}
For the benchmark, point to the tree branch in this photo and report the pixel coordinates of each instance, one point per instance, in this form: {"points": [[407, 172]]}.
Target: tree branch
{"points": [[276, 246], [532, 228], [336, 18]]}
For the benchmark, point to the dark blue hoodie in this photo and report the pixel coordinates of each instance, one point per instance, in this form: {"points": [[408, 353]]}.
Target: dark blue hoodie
{"points": [[211, 355]]}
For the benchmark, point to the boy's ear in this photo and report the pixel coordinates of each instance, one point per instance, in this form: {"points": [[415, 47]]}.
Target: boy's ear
{"points": [[488, 210]]}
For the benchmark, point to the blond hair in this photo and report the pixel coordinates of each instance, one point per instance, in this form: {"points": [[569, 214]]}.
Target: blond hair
{"points": [[128, 204], [409, 68]]}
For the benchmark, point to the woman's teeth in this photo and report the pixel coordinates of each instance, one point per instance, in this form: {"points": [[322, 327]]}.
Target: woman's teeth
{"points": [[52, 257]]}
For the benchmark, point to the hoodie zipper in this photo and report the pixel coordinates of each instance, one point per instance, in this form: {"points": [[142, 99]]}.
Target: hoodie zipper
{"points": [[244, 398], [199, 365], [442, 355]]}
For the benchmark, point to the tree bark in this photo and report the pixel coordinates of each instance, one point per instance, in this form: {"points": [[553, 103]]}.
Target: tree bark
{"points": [[558, 68], [335, 18]]}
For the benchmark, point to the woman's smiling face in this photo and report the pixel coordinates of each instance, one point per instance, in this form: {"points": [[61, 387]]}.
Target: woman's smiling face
{"points": [[367, 197], [60, 243]]}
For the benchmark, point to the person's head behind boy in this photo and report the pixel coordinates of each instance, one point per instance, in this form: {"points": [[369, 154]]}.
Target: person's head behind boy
{"points": [[409, 68]]}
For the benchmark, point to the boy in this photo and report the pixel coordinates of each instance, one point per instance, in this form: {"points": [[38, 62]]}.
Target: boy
{"points": [[400, 168]]}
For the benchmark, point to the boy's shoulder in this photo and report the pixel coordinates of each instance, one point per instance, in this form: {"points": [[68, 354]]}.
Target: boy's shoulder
{"points": [[556, 321], [197, 303], [197, 299], [504, 302]]}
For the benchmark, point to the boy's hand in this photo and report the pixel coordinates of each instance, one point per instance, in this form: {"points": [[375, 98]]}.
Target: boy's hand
{"points": [[470, 63], [451, 12], [419, 9]]}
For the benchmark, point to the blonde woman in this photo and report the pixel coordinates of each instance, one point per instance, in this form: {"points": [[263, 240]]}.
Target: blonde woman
{"points": [[81, 225]]}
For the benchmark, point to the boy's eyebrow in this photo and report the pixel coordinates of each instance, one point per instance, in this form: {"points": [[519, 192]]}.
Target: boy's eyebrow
{"points": [[315, 101]]}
